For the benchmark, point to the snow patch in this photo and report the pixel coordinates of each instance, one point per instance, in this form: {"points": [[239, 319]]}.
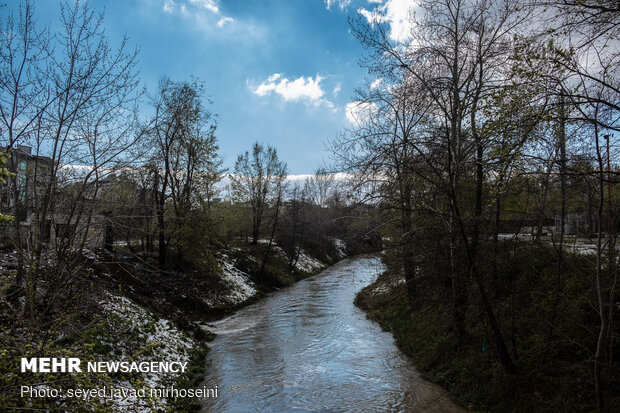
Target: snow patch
{"points": [[307, 263], [239, 283], [340, 246], [161, 340], [387, 286]]}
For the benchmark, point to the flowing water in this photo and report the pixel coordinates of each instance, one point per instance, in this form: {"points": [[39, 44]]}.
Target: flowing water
{"points": [[307, 348]]}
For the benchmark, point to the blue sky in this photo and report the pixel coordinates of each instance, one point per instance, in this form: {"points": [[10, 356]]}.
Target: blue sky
{"points": [[279, 72]]}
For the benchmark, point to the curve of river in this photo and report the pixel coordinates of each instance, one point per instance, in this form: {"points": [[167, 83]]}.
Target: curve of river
{"points": [[307, 348]]}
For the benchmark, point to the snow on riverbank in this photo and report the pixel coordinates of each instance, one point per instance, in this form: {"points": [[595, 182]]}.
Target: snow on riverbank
{"points": [[241, 288], [238, 286], [305, 262], [308, 264], [388, 285], [135, 334], [340, 246]]}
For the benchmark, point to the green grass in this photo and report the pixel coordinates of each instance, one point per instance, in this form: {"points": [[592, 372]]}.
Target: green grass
{"points": [[192, 378]]}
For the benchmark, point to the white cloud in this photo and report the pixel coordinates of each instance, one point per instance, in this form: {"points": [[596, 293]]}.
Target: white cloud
{"points": [[206, 4], [302, 88], [394, 12], [170, 6], [376, 83], [359, 112], [371, 16], [224, 20], [341, 3], [204, 12], [337, 89]]}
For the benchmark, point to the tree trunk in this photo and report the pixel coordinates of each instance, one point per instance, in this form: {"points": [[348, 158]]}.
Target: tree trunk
{"points": [[409, 266], [600, 344], [562, 170], [273, 232]]}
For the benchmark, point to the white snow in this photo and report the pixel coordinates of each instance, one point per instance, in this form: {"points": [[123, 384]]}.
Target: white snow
{"points": [[239, 283], [160, 341], [306, 263], [584, 249], [340, 246], [387, 286], [520, 236], [240, 287]]}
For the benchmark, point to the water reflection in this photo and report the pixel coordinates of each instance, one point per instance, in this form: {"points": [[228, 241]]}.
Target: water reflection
{"points": [[309, 349]]}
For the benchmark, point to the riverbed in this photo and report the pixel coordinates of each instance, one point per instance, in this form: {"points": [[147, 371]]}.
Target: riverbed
{"points": [[307, 348]]}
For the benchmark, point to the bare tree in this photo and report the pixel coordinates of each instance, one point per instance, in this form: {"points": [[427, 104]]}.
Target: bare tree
{"points": [[457, 53], [385, 153], [258, 179], [70, 97]]}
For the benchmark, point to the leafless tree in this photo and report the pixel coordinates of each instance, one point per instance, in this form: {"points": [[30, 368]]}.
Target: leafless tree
{"points": [[71, 98], [457, 53], [258, 179]]}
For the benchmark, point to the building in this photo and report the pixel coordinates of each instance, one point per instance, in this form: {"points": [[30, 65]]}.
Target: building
{"points": [[23, 197], [32, 174]]}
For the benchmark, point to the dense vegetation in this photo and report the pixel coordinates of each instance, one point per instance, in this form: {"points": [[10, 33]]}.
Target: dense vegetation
{"points": [[488, 138], [552, 376]]}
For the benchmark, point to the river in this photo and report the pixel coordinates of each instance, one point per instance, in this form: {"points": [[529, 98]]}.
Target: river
{"points": [[307, 348]]}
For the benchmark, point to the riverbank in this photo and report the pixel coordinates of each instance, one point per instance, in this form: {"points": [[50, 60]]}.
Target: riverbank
{"points": [[238, 282], [552, 377], [128, 310]]}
